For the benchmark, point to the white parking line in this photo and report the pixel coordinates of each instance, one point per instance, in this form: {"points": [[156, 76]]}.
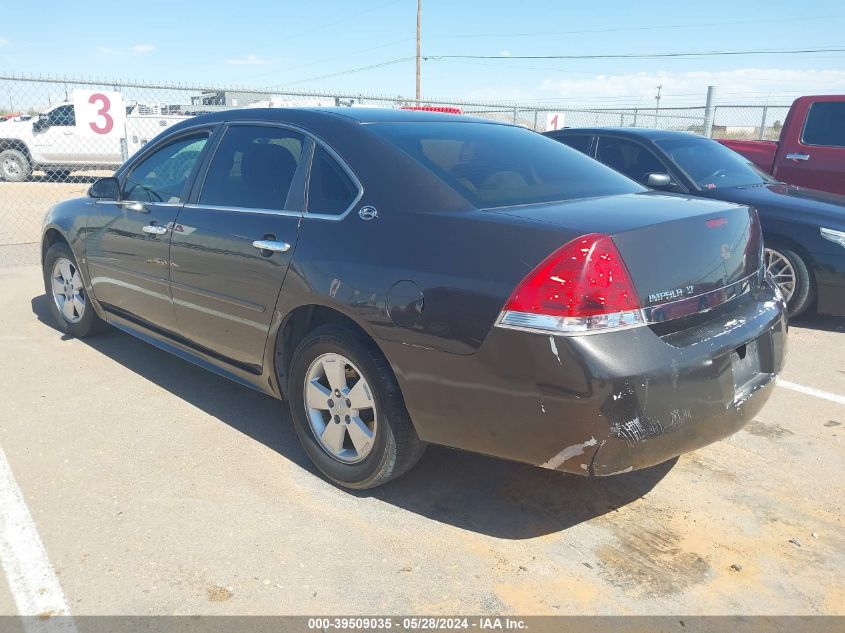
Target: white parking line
{"points": [[31, 578], [818, 393]]}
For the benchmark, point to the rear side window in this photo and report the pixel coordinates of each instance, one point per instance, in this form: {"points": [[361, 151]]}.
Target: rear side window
{"points": [[495, 165], [253, 167], [825, 124], [330, 189], [163, 175], [581, 143], [632, 159]]}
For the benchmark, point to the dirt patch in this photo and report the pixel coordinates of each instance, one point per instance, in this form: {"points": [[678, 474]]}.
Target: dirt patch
{"points": [[651, 562], [767, 429], [216, 593]]}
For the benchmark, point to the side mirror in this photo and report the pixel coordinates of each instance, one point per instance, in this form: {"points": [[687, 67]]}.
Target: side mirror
{"points": [[40, 123], [105, 189], [658, 181]]}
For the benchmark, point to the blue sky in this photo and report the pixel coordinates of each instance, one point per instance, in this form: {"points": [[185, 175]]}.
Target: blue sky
{"points": [[301, 45]]}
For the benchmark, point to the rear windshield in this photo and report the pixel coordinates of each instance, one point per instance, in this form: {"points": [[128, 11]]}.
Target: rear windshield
{"points": [[500, 165]]}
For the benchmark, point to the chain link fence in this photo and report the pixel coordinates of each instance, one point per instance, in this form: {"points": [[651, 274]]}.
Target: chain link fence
{"points": [[59, 135]]}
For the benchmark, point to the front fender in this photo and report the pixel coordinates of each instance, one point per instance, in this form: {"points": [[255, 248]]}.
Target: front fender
{"points": [[67, 222]]}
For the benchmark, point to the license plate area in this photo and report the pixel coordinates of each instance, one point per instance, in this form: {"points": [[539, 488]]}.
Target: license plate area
{"points": [[746, 365]]}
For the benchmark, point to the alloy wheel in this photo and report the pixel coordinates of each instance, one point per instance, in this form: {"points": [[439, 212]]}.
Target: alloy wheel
{"points": [[782, 271], [68, 293], [340, 407]]}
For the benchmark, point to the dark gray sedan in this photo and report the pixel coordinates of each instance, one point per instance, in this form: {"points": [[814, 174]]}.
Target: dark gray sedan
{"points": [[403, 278]]}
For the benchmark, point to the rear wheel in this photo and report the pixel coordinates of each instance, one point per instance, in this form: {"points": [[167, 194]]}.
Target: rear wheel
{"points": [[792, 276], [69, 302], [348, 411], [14, 166]]}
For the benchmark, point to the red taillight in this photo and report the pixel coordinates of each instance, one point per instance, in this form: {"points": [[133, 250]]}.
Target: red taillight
{"points": [[582, 286]]}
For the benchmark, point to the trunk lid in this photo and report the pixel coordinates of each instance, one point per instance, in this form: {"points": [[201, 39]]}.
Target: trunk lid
{"points": [[674, 247]]}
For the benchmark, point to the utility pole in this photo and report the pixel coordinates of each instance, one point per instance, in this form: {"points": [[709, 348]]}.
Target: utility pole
{"points": [[657, 103], [419, 17], [709, 112]]}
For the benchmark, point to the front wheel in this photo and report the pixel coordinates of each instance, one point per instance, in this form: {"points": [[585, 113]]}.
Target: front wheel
{"points": [[348, 411], [792, 276], [69, 302]]}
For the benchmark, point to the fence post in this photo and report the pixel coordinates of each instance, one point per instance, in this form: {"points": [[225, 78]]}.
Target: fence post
{"points": [[636, 111], [535, 120], [763, 123], [514, 116], [709, 112]]}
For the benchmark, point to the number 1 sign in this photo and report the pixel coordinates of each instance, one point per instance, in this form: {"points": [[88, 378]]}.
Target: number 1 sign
{"points": [[99, 113], [555, 120]]}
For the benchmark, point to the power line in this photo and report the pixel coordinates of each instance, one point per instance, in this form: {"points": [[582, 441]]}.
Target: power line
{"points": [[638, 28], [644, 55], [348, 71]]}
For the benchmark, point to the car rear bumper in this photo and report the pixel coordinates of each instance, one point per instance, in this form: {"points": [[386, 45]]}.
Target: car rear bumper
{"points": [[600, 404]]}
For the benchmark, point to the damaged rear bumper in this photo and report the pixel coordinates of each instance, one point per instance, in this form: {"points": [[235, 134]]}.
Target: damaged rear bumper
{"points": [[601, 404]]}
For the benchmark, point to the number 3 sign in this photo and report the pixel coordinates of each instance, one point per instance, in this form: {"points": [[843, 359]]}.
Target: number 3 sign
{"points": [[99, 113]]}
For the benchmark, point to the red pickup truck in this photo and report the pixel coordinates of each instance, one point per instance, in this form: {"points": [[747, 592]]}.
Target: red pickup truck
{"points": [[811, 149]]}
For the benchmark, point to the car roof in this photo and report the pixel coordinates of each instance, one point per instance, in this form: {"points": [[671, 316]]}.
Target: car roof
{"points": [[632, 132], [356, 115]]}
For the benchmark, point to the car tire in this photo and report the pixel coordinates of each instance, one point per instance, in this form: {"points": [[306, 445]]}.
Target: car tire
{"points": [[69, 302], [784, 264], [393, 446], [14, 166]]}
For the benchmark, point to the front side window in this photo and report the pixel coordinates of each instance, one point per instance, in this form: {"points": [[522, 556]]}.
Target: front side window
{"points": [[163, 175], [495, 165], [62, 116], [825, 124], [711, 165], [330, 189], [253, 167], [632, 159]]}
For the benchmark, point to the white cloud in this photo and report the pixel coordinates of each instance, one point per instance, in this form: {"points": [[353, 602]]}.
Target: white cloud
{"points": [[505, 53], [4, 41], [141, 49], [248, 60], [740, 86]]}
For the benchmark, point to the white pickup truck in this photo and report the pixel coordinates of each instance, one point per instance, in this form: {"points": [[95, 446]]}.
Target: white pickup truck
{"points": [[94, 131]]}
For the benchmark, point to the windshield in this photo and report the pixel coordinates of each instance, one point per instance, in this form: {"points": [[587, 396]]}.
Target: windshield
{"points": [[501, 165], [711, 165]]}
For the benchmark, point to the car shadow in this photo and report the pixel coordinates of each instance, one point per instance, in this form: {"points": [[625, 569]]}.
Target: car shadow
{"points": [[473, 492], [820, 322]]}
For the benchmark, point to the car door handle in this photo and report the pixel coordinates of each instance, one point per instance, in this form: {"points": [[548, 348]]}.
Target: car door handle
{"points": [[269, 245], [798, 157], [154, 229]]}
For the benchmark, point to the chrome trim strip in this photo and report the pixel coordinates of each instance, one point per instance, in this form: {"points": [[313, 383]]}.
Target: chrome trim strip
{"points": [[205, 207], [724, 294]]}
